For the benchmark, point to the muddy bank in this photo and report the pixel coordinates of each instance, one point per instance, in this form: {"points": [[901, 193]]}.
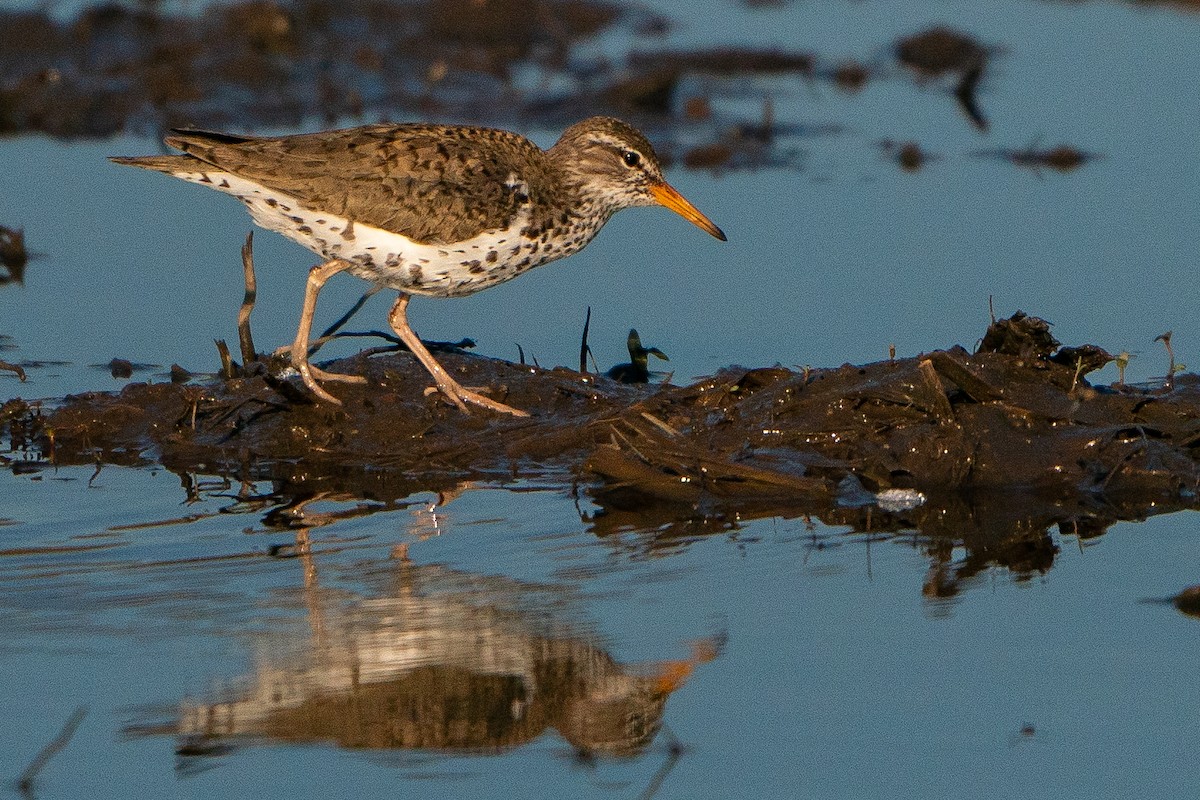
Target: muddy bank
{"points": [[1019, 413], [991, 451]]}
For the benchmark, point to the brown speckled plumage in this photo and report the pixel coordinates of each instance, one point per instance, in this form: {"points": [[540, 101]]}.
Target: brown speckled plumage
{"points": [[441, 210], [427, 182]]}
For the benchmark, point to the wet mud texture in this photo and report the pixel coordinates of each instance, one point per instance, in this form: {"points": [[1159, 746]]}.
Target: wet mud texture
{"points": [[1016, 414]]}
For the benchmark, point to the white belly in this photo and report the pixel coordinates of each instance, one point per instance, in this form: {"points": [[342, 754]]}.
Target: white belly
{"points": [[386, 258]]}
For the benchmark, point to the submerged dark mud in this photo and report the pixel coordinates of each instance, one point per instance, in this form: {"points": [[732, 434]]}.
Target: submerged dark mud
{"points": [[255, 64]]}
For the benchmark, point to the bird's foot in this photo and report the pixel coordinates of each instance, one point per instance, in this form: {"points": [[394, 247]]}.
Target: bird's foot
{"points": [[461, 395], [306, 374], [316, 372]]}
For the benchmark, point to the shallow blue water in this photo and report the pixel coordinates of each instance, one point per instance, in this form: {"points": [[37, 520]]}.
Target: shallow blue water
{"points": [[839, 678]]}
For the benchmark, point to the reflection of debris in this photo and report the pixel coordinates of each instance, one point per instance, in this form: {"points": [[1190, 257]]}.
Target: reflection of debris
{"points": [[708, 156], [124, 368], [852, 494], [697, 108], [896, 500], [638, 370], [908, 155], [765, 130], [1188, 601], [20, 372], [120, 368], [25, 782], [964, 93], [1063, 158], [12, 254], [1172, 368], [850, 76], [6, 343], [656, 76], [202, 747], [941, 51], [748, 145], [741, 148], [727, 61], [137, 65], [649, 92]]}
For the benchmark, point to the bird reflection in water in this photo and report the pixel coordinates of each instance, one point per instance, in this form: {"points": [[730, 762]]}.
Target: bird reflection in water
{"points": [[439, 660]]}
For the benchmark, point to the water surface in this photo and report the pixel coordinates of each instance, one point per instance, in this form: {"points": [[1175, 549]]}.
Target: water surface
{"points": [[838, 672]]}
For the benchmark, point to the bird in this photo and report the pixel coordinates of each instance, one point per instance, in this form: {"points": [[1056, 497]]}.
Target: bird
{"points": [[427, 209]]}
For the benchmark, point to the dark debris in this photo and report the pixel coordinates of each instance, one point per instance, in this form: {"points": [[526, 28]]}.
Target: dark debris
{"points": [[13, 256]]}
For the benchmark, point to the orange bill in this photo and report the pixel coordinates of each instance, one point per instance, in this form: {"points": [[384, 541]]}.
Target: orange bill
{"points": [[665, 194]]}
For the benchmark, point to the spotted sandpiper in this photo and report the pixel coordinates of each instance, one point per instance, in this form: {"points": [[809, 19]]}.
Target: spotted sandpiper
{"points": [[438, 210]]}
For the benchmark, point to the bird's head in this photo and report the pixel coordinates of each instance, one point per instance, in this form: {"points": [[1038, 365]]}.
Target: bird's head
{"points": [[614, 165]]}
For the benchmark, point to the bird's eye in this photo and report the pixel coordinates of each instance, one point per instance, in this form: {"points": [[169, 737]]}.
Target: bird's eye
{"points": [[631, 158]]}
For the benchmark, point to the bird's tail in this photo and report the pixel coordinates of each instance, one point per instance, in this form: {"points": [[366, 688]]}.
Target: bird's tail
{"points": [[168, 164]]}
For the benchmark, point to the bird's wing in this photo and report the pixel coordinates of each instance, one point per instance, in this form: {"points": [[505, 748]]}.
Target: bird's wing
{"points": [[427, 182]]}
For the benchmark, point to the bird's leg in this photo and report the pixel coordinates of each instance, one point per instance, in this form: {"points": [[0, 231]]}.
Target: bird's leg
{"points": [[457, 394], [317, 276]]}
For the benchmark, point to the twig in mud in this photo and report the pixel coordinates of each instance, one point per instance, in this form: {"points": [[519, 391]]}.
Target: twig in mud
{"points": [[227, 371], [1137, 447], [249, 354], [1165, 338], [25, 782], [658, 423], [583, 344], [396, 344]]}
